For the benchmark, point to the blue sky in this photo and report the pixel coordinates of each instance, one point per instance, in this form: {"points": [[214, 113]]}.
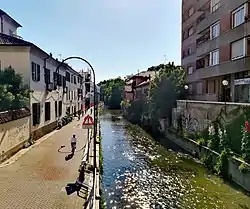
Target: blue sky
{"points": [[118, 37]]}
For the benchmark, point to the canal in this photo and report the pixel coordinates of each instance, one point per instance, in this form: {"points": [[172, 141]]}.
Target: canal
{"points": [[139, 173]]}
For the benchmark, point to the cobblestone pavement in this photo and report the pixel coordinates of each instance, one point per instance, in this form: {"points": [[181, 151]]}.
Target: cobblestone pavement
{"points": [[37, 179]]}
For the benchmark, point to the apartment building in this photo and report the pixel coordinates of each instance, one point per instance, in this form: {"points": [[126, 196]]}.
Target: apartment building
{"points": [[53, 92], [216, 48]]}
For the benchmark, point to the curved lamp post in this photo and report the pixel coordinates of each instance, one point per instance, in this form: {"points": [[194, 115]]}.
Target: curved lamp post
{"points": [[225, 84], [81, 177], [186, 88]]}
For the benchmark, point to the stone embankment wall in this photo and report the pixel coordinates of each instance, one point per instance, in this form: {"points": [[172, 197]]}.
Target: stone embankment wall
{"points": [[201, 113]]}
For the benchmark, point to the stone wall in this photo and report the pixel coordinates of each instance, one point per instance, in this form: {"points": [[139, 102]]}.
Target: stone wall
{"points": [[242, 179], [14, 132], [197, 115]]}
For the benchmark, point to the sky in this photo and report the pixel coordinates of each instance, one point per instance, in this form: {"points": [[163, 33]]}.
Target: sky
{"points": [[118, 37]]}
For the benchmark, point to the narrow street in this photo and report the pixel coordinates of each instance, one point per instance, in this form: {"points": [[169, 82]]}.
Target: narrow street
{"points": [[37, 178]]}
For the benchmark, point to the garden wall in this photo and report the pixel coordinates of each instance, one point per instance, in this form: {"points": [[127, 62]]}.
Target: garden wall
{"points": [[197, 115], [242, 179], [14, 131], [203, 112]]}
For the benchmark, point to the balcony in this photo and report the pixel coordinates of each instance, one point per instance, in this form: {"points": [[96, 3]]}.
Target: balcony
{"points": [[202, 62], [204, 38], [208, 19], [50, 87]]}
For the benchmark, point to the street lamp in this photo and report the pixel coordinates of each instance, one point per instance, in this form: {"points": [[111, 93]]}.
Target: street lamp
{"points": [[225, 84], [186, 88], [81, 177]]}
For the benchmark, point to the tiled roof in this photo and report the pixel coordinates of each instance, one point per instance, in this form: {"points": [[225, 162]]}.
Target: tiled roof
{"points": [[13, 115], [10, 40], [147, 82], [13, 41]]}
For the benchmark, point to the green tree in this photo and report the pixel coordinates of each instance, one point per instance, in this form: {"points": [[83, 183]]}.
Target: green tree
{"points": [[13, 93], [165, 89], [113, 92]]}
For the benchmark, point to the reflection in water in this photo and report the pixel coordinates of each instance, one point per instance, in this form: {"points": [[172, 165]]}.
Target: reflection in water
{"points": [[138, 173]]}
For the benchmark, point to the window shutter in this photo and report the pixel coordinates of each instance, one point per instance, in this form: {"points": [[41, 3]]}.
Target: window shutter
{"points": [[38, 113], [33, 71], [38, 72], [64, 81]]}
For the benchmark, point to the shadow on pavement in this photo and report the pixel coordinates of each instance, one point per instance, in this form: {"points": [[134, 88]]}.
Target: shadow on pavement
{"points": [[69, 156]]}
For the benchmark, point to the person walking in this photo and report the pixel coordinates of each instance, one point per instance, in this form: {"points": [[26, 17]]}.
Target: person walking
{"points": [[73, 144]]}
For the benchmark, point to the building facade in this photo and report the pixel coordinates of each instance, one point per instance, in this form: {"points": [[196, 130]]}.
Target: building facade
{"points": [[53, 93], [215, 48], [137, 86]]}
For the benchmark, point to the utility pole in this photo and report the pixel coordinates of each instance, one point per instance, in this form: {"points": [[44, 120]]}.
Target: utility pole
{"points": [[165, 59], [60, 57]]}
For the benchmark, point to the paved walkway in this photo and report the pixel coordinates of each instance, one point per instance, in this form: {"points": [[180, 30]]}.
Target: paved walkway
{"points": [[37, 179]]}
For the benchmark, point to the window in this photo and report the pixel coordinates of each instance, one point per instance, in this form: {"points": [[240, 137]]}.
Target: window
{"points": [[47, 111], [68, 110], [238, 49], [56, 110], [68, 93], [68, 76], [215, 4], [78, 79], [145, 91], [74, 79], [47, 76], [215, 30], [64, 82], [214, 58], [199, 88], [238, 16], [190, 88], [189, 50], [60, 80], [190, 11], [190, 70], [190, 31], [35, 71], [210, 86], [60, 108], [36, 113]]}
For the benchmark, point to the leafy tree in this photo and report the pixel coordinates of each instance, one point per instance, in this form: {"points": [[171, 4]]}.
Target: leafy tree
{"points": [[13, 93], [113, 90], [165, 89]]}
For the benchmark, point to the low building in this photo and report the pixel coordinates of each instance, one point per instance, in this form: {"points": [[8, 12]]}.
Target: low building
{"points": [[137, 86], [54, 93]]}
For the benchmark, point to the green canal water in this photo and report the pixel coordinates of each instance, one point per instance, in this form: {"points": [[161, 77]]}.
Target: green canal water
{"points": [[140, 173]]}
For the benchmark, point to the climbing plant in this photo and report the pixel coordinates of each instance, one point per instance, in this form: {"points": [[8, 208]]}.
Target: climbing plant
{"points": [[245, 142], [221, 166], [224, 140], [213, 136]]}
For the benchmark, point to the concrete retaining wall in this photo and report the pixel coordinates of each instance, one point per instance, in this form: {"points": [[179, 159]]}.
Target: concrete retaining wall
{"points": [[242, 179], [13, 133], [201, 113]]}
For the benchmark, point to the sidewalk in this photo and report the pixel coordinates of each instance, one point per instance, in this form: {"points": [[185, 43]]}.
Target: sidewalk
{"points": [[37, 179]]}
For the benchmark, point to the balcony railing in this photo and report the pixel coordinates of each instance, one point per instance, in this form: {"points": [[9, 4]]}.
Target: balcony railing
{"points": [[203, 38], [17, 36]]}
